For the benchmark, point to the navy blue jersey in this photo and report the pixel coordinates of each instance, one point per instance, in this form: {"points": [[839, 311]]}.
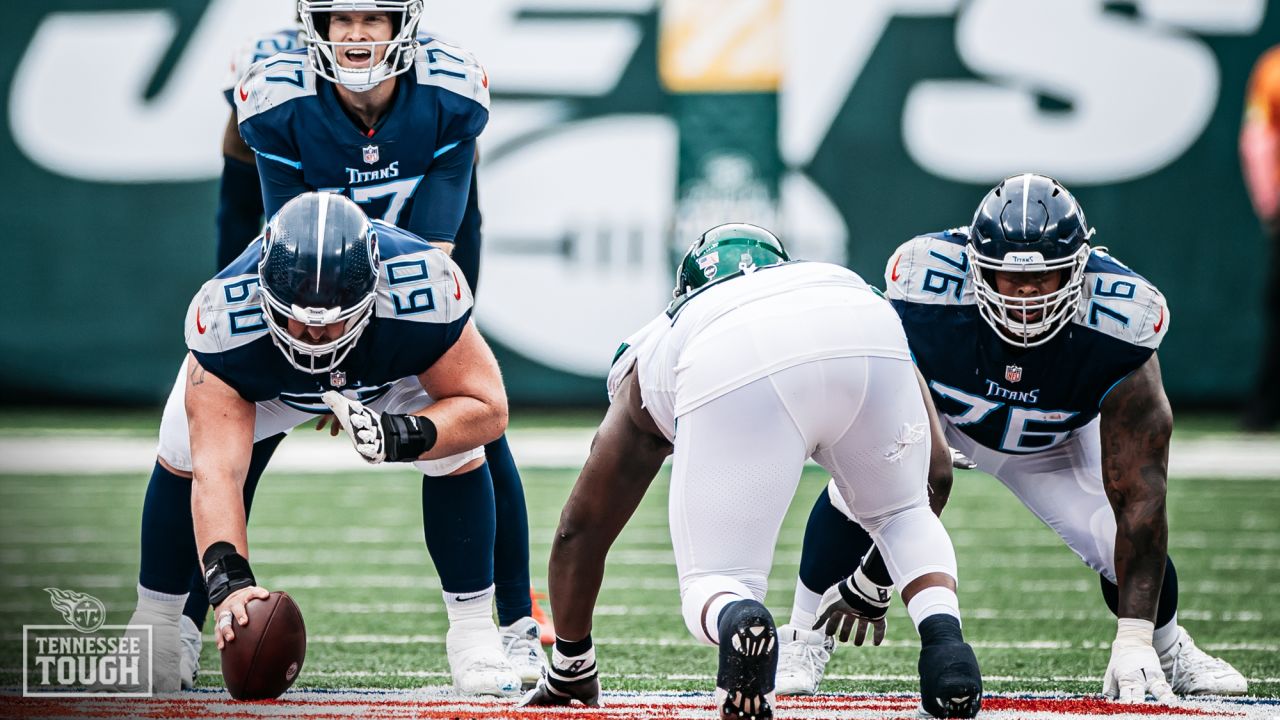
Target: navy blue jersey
{"points": [[1007, 398], [424, 146], [422, 306], [257, 49]]}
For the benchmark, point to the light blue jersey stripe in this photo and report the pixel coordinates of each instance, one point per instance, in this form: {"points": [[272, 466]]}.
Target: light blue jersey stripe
{"points": [[444, 149], [277, 158]]}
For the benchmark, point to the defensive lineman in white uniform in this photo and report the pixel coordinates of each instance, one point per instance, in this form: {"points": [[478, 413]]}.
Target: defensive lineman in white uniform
{"points": [[758, 365]]}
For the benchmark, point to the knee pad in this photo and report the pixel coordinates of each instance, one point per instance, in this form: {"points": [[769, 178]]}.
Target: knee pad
{"points": [[914, 543], [702, 599]]}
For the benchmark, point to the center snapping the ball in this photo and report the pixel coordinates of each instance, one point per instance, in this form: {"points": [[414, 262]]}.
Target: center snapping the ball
{"points": [[266, 655]]}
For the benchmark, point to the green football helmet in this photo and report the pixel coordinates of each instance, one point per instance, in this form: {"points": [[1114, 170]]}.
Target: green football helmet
{"points": [[726, 251]]}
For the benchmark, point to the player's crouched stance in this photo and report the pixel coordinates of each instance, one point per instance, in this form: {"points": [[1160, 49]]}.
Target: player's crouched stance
{"points": [[327, 310], [759, 364]]}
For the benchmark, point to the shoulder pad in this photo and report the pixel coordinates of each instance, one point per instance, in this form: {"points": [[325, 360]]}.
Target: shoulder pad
{"points": [[1121, 303], [452, 68], [931, 269], [260, 48], [424, 286], [625, 357], [273, 82], [225, 315]]}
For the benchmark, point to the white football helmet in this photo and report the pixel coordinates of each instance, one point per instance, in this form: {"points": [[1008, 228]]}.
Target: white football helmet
{"points": [[323, 53]]}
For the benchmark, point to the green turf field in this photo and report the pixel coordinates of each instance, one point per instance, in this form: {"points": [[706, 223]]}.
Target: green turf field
{"points": [[349, 549]]}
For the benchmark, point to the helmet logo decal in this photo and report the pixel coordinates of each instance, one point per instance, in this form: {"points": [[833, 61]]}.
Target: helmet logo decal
{"points": [[709, 264], [746, 264]]}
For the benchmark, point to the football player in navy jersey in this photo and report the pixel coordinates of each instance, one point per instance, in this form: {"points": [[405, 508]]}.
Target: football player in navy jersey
{"points": [[358, 102], [1040, 354], [327, 312]]}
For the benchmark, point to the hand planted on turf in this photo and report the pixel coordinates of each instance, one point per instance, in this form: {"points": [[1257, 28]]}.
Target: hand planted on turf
{"points": [[1134, 670], [585, 690], [232, 614], [855, 603], [363, 425]]}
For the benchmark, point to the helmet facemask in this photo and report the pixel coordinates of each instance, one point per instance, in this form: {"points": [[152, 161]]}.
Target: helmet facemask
{"points": [[318, 357], [323, 53], [1056, 309]]}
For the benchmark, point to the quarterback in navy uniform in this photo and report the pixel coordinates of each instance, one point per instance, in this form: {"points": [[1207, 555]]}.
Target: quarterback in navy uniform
{"points": [[1040, 354], [327, 312], [357, 102]]}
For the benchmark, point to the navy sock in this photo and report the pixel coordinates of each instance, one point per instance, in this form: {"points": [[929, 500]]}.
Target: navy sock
{"points": [[168, 536], [833, 545], [1168, 605], [197, 607], [511, 542], [458, 523], [940, 629]]}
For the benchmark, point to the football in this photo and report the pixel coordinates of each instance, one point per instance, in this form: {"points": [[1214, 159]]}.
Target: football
{"points": [[266, 655]]}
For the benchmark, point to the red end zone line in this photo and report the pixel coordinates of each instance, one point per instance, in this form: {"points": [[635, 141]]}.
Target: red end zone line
{"points": [[322, 708]]}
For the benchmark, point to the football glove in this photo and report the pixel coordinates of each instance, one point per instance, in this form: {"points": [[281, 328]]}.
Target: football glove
{"points": [[1134, 670], [553, 692], [853, 605], [960, 462], [383, 437]]}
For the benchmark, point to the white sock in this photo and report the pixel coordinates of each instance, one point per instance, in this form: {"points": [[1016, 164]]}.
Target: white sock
{"points": [[1165, 636], [469, 606], [163, 604], [933, 601], [804, 608]]}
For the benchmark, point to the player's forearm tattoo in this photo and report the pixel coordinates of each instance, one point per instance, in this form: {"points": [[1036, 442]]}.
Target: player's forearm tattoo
{"points": [[1136, 424], [197, 374]]}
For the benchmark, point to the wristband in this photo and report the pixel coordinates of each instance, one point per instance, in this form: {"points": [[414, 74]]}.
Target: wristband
{"points": [[225, 571], [406, 437]]}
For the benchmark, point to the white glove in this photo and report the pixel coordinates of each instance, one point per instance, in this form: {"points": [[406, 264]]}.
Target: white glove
{"points": [[1134, 670], [960, 462], [364, 426]]}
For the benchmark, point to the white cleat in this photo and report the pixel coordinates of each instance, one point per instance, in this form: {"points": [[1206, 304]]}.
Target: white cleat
{"points": [[1192, 671], [521, 645], [477, 662], [802, 660], [166, 647], [190, 637]]}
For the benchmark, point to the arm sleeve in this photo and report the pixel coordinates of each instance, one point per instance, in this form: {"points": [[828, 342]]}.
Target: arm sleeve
{"points": [[281, 182], [442, 200], [466, 244], [239, 209]]}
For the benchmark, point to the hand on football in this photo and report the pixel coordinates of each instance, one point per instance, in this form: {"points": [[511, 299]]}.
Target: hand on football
{"points": [[232, 614], [852, 606], [1134, 671], [363, 425]]}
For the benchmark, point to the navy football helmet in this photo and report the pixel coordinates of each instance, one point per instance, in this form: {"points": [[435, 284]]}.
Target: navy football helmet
{"points": [[1028, 223], [319, 266]]}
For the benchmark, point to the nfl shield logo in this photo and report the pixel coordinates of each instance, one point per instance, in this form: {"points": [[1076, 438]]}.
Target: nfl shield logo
{"points": [[337, 378], [1012, 373], [370, 154]]}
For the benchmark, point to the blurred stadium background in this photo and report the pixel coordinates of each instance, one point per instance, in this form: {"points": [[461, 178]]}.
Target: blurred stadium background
{"points": [[621, 128]]}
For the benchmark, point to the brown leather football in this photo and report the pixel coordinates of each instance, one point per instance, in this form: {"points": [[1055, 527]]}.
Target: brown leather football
{"points": [[267, 654]]}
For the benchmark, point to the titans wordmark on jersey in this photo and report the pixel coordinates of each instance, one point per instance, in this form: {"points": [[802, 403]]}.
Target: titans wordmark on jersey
{"points": [[1007, 398], [304, 139], [423, 304]]}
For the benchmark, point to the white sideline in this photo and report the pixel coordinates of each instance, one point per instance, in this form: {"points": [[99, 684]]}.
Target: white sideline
{"points": [[310, 452]]}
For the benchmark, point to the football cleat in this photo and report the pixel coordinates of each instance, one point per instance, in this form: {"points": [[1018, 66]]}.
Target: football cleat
{"points": [[547, 628], [166, 644], [190, 637], [476, 660], [748, 662], [523, 650], [1192, 671], [802, 660], [950, 682]]}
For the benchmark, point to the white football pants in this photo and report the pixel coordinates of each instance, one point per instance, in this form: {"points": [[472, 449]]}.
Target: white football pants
{"points": [[274, 417], [738, 461]]}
